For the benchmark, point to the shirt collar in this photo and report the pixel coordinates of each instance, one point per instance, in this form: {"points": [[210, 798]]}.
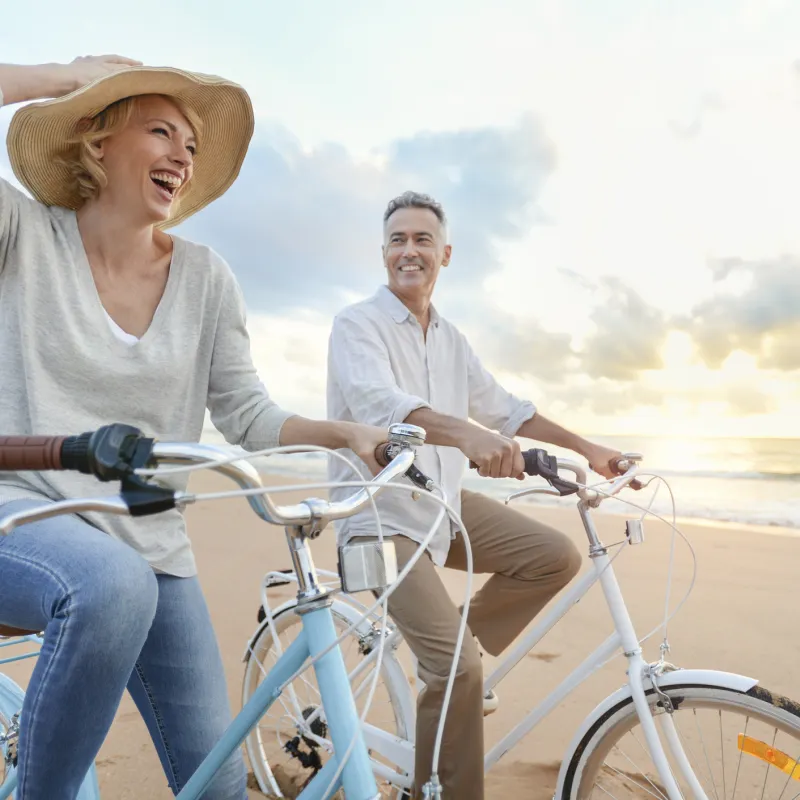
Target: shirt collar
{"points": [[389, 302]]}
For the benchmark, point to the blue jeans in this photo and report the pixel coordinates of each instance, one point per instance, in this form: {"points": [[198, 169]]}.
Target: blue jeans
{"points": [[109, 623]]}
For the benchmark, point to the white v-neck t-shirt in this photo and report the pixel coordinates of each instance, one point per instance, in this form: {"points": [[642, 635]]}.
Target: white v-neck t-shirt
{"points": [[123, 336]]}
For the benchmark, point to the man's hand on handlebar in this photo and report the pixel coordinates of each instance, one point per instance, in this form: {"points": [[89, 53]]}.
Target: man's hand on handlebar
{"points": [[603, 460], [493, 455], [609, 463]]}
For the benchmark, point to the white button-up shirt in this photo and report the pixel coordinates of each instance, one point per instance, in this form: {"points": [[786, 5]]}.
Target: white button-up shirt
{"points": [[381, 367]]}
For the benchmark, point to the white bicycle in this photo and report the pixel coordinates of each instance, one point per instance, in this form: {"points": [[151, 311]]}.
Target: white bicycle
{"points": [[668, 732]]}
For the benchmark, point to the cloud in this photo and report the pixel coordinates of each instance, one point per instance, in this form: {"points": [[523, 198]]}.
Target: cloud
{"points": [[527, 350], [626, 338], [629, 334], [756, 310], [602, 397], [610, 398], [303, 228], [709, 102]]}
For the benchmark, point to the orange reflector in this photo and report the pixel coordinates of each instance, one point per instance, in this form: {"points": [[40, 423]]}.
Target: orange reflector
{"points": [[777, 758]]}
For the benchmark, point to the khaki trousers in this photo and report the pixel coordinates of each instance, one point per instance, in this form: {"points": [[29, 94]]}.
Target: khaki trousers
{"points": [[530, 563]]}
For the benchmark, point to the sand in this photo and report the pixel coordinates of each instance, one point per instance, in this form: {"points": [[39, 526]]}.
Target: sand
{"points": [[739, 618]]}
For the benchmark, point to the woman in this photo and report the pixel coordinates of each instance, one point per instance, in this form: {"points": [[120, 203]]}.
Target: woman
{"points": [[105, 317]]}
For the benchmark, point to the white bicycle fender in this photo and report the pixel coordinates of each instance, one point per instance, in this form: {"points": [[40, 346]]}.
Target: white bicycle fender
{"points": [[351, 614], [679, 677], [261, 625]]}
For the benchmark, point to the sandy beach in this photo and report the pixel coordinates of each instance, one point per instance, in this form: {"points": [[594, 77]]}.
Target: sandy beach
{"points": [[737, 619]]}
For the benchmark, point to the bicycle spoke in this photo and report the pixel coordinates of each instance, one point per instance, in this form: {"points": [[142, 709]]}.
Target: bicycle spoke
{"points": [[603, 789], [788, 779], [739, 764], [622, 774], [687, 748], [766, 771], [641, 772], [722, 756], [705, 753]]}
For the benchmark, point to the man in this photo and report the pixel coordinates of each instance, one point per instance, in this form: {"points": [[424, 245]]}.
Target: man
{"points": [[392, 358]]}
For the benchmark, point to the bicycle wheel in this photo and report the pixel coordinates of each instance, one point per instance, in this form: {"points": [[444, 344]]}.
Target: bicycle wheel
{"points": [[290, 742], [744, 744]]}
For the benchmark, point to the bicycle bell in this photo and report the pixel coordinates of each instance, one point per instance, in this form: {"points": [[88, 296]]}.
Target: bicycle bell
{"points": [[406, 435]]}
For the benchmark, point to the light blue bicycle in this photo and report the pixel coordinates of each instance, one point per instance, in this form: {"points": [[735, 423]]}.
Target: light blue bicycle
{"points": [[116, 452]]}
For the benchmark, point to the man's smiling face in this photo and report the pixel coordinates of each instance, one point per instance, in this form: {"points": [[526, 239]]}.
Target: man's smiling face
{"points": [[414, 250]]}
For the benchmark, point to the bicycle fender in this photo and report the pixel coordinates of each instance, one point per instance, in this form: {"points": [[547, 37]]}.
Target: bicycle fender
{"points": [[351, 614], [679, 677]]}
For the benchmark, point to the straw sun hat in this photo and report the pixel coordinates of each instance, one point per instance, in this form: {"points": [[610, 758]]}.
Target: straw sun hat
{"points": [[38, 134]]}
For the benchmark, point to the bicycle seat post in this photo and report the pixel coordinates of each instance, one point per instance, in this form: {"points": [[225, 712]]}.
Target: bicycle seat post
{"points": [[308, 588]]}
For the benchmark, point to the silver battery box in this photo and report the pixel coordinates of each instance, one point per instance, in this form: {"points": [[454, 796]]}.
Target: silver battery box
{"points": [[366, 566]]}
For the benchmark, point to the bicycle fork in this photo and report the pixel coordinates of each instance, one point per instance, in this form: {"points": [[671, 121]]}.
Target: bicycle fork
{"points": [[637, 670]]}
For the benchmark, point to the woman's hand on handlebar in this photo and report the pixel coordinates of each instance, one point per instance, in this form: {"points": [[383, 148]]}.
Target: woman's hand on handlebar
{"points": [[363, 440]]}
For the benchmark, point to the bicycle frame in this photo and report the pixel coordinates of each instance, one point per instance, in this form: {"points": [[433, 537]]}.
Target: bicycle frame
{"points": [[624, 637], [17, 640], [318, 639]]}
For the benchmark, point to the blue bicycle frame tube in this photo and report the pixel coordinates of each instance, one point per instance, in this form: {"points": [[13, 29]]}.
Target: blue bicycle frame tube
{"points": [[342, 718], [17, 641], [8, 786], [341, 715], [247, 718]]}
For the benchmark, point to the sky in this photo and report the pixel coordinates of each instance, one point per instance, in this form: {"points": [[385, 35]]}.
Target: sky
{"points": [[621, 179]]}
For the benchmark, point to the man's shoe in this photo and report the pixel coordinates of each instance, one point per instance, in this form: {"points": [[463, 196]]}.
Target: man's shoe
{"points": [[490, 703]]}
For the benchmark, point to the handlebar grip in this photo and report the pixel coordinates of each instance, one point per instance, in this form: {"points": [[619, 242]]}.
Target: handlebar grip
{"points": [[531, 460], [21, 453], [619, 465], [383, 454]]}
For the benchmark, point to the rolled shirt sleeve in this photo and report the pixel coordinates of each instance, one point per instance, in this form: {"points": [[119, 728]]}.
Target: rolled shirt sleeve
{"points": [[490, 404]]}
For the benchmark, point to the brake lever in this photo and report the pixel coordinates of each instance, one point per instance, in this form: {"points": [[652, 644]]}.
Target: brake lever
{"points": [[420, 478], [540, 462], [403, 436]]}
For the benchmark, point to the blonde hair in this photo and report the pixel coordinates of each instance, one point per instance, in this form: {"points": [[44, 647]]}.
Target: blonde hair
{"points": [[85, 167]]}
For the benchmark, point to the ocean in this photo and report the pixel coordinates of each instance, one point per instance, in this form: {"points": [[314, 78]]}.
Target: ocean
{"points": [[746, 482]]}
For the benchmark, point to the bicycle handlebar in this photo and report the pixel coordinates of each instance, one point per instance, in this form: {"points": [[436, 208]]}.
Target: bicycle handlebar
{"points": [[116, 452], [31, 452], [539, 463]]}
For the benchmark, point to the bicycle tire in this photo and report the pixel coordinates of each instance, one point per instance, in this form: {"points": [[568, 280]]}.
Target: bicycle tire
{"points": [[587, 766], [262, 642]]}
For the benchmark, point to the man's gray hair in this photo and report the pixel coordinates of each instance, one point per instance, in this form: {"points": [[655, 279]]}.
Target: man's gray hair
{"points": [[416, 200]]}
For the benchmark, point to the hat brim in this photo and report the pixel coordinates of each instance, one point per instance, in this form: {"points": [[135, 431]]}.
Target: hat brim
{"points": [[39, 133]]}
